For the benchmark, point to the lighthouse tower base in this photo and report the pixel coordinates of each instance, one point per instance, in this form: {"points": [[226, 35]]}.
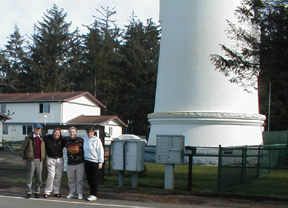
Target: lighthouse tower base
{"points": [[208, 128]]}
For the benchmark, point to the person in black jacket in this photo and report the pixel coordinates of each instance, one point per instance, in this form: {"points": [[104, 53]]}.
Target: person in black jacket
{"points": [[55, 162]]}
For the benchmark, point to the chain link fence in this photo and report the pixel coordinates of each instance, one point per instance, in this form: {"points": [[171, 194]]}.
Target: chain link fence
{"points": [[217, 169], [238, 165]]}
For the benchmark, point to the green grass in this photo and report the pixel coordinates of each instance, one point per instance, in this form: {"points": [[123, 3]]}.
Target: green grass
{"points": [[272, 185], [204, 178]]}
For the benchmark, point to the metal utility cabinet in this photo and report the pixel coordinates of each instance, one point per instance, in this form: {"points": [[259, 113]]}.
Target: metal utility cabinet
{"points": [[128, 155], [169, 151]]}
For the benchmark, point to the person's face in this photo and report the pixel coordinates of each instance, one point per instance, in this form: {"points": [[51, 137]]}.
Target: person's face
{"points": [[37, 131], [72, 133], [90, 133], [56, 134]]}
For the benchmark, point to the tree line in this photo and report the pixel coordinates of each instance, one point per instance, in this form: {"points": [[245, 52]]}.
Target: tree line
{"points": [[118, 66]]}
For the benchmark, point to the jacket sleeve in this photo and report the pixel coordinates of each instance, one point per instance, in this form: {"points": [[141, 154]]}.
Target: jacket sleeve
{"points": [[23, 148], [100, 152]]}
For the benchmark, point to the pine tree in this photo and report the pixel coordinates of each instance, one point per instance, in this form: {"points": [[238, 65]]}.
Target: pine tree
{"points": [[241, 61], [101, 57], [274, 60], [265, 58], [76, 63], [140, 51], [51, 52], [14, 71]]}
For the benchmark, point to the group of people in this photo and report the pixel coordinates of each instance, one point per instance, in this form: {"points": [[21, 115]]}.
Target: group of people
{"points": [[84, 156]]}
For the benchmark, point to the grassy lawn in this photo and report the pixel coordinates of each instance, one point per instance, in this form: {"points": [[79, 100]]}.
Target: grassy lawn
{"points": [[272, 185], [204, 180]]}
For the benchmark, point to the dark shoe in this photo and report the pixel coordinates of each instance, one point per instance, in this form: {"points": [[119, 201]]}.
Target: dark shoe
{"points": [[46, 195], [28, 196], [37, 195], [57, 195]]}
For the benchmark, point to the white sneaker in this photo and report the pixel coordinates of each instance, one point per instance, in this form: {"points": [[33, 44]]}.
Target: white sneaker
{"points": [[80, 196], [70, 196], [91, 198]]}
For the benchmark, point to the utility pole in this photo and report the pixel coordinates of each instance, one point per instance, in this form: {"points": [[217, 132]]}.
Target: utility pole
{"points": [[269, 107]]}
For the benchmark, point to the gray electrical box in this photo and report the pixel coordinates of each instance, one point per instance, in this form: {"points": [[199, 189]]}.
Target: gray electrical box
{"points": [[169, 149], [128, 155], [134, 160], [117, 155]]}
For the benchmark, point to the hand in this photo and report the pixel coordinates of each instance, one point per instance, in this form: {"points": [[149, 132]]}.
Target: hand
{"points": [[25, 161], [100, 166]]}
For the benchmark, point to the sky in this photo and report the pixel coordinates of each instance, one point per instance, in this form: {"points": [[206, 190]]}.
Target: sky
{"points": [[26, 13]]}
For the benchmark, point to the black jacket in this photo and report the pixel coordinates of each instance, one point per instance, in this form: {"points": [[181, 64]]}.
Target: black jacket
{"points": [[54, 148]]}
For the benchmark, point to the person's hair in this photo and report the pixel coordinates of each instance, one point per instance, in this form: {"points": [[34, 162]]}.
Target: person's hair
{"points": [[57, 129], [90, 128], [72, 127]]}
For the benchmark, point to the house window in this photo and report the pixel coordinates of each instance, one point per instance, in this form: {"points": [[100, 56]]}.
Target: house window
{"points": [[3, 108], [44, 108], [26, 129], [110, 131], [5, 129]]}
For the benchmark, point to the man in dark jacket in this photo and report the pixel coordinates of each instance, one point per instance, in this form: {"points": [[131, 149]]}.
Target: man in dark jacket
{"points": [[33, 154], [55, 163]]}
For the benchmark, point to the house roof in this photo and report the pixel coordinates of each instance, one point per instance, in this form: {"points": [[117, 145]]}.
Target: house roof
{"points": [[4, 117], [46, 97], [102, 120]]}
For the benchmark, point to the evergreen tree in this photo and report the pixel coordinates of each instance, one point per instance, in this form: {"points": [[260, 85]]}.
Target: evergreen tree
{"points": [[137, 78], [274, 63], [14, 70], [101, 57], [76, 63], [51, 52], [269, 53], [3, 69], [241, 62]]}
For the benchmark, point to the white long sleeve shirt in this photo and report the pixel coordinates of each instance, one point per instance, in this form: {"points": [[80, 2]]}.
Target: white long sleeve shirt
{"points": [[93, 150]]}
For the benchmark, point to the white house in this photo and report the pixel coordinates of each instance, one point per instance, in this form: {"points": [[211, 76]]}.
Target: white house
{"points": [[58, 109]]}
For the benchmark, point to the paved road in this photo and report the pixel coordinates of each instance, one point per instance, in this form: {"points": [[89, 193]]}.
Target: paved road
{"points": [[16, 201]]}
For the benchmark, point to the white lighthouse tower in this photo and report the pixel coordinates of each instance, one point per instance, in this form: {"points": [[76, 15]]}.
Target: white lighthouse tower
{"points": [[192, 98]]}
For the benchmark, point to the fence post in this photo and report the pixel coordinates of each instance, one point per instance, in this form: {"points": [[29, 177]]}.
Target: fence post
{"points": [[191, 152], [269, 164], [219, 168], [243, 168], [258, 162]]}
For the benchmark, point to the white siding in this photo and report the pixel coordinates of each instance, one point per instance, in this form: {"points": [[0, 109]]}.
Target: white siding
{"points": [[14, 133], [117, 131], [82, 100], [72, 110], [29, 113]]}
